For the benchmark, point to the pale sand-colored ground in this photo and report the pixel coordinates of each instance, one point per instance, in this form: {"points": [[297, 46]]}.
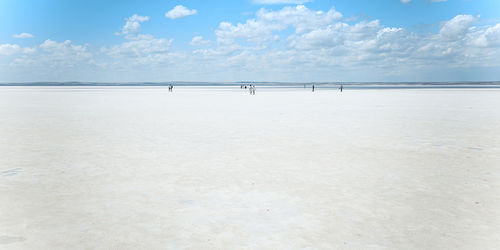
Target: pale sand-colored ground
{"points": [[214, 168]]}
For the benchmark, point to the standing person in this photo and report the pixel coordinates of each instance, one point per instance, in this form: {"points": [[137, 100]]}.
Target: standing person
{"points": [[341, 87], [253, 89], [313, 87]]}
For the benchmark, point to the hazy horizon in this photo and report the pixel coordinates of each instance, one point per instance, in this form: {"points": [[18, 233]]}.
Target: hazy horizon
{"points": [[258, 83]]}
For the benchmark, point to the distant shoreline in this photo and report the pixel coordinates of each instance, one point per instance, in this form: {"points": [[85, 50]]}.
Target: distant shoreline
{"points": [[479, 84]]}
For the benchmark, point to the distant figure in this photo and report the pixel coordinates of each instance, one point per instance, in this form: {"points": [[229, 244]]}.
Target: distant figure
{"points": [[251, 89], [341, 87], [313, 87], [245, 86]]}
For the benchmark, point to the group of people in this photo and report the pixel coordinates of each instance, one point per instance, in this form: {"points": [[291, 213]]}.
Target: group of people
{"points": [[250, 87]]}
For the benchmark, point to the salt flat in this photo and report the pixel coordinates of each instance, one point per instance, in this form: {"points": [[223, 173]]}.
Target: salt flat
{"points": [[216, 168]]}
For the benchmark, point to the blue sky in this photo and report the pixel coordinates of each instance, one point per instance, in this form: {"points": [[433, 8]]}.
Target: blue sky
{"points": [[259, 40]]}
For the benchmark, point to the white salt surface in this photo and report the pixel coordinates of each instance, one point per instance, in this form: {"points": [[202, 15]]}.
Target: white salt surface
{"points": [[216, 168]]}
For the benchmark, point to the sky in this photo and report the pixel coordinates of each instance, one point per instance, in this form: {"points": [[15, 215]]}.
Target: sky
{"points": [[249, 40]]}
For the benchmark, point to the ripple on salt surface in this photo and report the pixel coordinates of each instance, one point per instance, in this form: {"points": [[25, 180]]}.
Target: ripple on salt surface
{"points": [[476, 148], [4, 239], [258, 218], [11, 172]]}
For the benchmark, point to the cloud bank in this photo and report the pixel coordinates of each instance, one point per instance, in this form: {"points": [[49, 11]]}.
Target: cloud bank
{"points": [[293, 43]]}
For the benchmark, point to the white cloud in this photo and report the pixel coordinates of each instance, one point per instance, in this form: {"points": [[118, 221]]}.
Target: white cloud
{"points": [[133, 26], [198, 40], [220, 52], [338, 34], [143, 49], [29, 50], [8, 49], [299, 17], [457, 27], [52, 60], [322, 41], [141, 52], [292, 43], [65, 51], [489, 37], [140, 48], [405, 1], [23, 35], [180, 11], [280, 1], [267, 22]]}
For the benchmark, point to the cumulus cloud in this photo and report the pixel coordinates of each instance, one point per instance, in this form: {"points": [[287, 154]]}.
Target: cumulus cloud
{"points": [[180, 11], [140, 48], [52, 60], [29, 50], [23, 35], [280, 1], [65, 51], [133, 26], [457, 27], [198, 40], [8, 49], [261, 28], [338, 34], [405, 1], [490, 37], [322, 40], [291, 43]]}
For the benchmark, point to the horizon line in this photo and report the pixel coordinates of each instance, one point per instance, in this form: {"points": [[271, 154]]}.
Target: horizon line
{"points": [[161, 83]]}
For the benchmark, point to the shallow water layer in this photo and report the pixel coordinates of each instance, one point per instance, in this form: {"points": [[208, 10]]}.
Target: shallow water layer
{"points": [[216, 168]]}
